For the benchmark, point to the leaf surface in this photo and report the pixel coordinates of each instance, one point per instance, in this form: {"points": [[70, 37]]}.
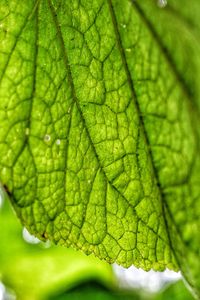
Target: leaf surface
{"points": [[99, 127]]}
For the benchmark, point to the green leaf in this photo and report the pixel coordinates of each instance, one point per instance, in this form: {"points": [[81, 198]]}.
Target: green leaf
{"points": [[176, 291], [92, 290], [99, 127], [37, 272]]}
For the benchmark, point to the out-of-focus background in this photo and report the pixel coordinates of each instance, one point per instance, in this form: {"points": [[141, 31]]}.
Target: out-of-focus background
{"points": [[34, 270]]}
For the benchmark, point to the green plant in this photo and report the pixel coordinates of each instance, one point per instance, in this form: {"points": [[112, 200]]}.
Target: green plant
{"points": [[99, 127]]}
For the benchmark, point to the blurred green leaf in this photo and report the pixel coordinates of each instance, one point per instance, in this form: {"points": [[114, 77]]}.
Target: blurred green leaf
{"points": [[95, 291], [176, 291]]}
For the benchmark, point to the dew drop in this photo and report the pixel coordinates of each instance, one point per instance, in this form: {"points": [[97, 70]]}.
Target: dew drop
{"points": [[162, 3], [123, 25], [47, 138], [39, 114], [27, 131], [128, 49], [58, 142], [69, 110]]}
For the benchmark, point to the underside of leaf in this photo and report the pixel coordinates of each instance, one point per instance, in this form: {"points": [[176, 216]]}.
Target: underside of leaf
{"points": [[99, 127]]}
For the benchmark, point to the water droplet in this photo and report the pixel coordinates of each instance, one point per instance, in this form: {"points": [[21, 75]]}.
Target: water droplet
{"points": [[58, 142], [27, 131], [162, 3], [69, 110], [123, 25], [128, 49], [89, 181], [31, 239], [47, 138]]}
